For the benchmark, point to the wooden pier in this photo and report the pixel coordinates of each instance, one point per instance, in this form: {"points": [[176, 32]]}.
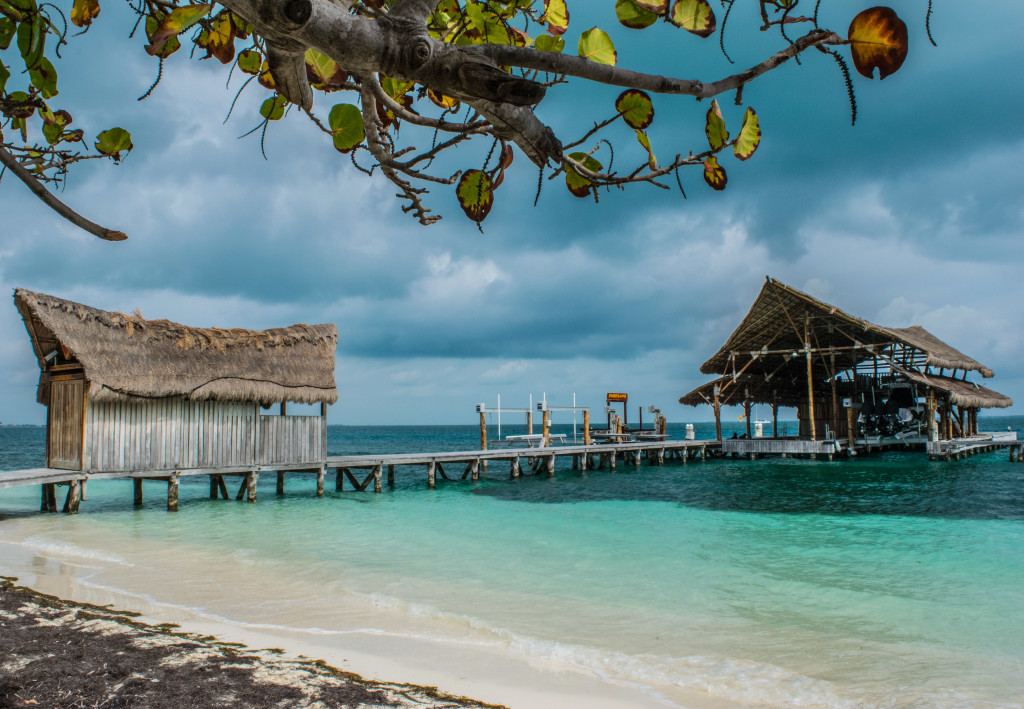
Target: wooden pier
{"points": [[373, 469]]}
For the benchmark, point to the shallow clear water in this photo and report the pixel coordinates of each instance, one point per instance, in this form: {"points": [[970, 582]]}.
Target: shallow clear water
{"points": [[886, 581]]}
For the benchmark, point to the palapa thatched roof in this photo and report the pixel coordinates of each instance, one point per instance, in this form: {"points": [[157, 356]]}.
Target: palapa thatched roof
{"points": [[127, 357], [776, 322], [764, 360]]}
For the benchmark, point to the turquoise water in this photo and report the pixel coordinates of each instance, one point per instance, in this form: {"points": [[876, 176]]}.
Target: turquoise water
{"points": [[887, 581]]}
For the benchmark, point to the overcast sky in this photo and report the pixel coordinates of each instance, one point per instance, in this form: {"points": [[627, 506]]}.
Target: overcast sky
{"points": [[914, 216]]}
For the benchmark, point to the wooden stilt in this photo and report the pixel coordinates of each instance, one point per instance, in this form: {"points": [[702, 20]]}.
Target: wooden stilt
{"points": [[280, 482], [440, 469], [320, 476], [475, 470], [172, 493], [213, 487], [546, 427], [138, 491], [611, 460], [431, 481], [636, 458], [85, 484], [718, 416], [586, 429], [514, 470], [391, 476], [250, 488], [339, 479], [584, 462], [810, 380], [73, 498], [377, 474], [661, 456], [602, 458], [576, 462], [551, 464], [223, 487], [242, 488]]}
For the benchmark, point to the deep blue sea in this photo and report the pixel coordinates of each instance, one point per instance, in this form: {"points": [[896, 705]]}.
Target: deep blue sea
{"points": [[881, 581]]}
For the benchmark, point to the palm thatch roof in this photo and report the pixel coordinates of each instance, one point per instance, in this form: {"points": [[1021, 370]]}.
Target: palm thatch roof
{"points": [[128, 357], [776, 324]]}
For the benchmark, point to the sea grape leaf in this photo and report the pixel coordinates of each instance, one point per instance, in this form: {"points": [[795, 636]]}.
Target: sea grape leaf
{"points": [[442, 101], [32, 40], [645, 141], [749, 137], [169, 47], [266, 79], [83, 12], [273, 108], [323, 71], [633, 15], [714, 174], [219, 40], [556, 14], [475, 194], [596, 45], [878, 39], [395, 88], [53, 129], [714, 127], [113, 142], [658, 7], [346, 122], [179, 20], [547, 43], [4, 76], [44, 78], [579, 185], [694, 16], [636, 108], [8, 29], [250, 61]]}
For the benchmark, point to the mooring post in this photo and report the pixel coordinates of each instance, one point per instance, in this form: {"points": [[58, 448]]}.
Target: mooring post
{"points": [[584, 462], [378, 470], [514, 470], [138, 491], [546, 427], [321, 475], [431, 481], [172, 493], [250, 485], [280, 482], [661, 456], [636, 457], [586, 427]]}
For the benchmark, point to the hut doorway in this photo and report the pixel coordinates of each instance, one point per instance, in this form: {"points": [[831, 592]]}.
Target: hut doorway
{"points": [[66, 423]]}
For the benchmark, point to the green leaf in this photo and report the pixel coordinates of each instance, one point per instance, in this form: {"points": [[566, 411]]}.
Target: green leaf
{"points": [[44, 78], [395, 88], [694, 16], [632, 15], [273, 108], [346, 121], [715, 127], [475, 194], [8, 28], [179, 20], [579, 185], [250, 61], [597, 46], [714, 174], [113, 142], [4, 76], [323, 71], [636, 108], [652, 161], [749, 137], [83, 12], [547, 43], [32, 40], [556, 14]]}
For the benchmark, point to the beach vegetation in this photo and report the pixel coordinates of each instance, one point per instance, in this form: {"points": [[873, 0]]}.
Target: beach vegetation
{"points": [[396, 86]]}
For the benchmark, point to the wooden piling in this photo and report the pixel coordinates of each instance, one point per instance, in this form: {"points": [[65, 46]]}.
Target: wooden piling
{"points": [[280, 482], [377, 474], [250, 485], [475, 470], [213, 487], [514, 469], [321, 474], [661, 456], [551, 463], [339, 479], [138, 491], [73, 498], [546, 427], [483, 430], [586, 430], [223, 487], [391, 475], [611, 460], [172, 493], [810, 375], [85, 484], [529, 422], [431, 473]]}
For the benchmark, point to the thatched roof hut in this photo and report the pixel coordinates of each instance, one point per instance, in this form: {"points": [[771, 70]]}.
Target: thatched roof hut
{"points": [[126, 357]]}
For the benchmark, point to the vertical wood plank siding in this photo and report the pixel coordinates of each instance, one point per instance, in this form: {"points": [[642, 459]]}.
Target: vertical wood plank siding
{"points": [[168, 434], [291, 439], [66, 424]]}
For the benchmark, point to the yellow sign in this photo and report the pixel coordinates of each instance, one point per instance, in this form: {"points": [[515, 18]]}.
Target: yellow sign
{"points": [[616, 397]]}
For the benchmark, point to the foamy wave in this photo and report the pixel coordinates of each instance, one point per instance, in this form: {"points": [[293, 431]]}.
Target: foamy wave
{"points": [[51, 547]]}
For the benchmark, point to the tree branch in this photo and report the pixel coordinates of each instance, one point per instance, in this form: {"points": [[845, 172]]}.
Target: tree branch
{"points": [[11, 163]]}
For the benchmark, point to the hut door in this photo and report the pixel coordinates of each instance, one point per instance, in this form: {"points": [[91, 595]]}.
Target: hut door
{"points": [[65, 428]]}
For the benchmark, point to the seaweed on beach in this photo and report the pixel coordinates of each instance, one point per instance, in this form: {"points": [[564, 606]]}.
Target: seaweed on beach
{"points": [[56, 653]]}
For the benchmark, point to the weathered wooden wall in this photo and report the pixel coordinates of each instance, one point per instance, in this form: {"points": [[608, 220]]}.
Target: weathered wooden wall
{"points": [[64, 428], [167, 434], [291, 439]]}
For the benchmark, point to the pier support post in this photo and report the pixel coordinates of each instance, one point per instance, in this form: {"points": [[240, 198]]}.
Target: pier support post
{"points": [[85, 484], [280, 482], [73, 498], [391, 476], [339, 479], [514, 469], [223, 487], [584, 462], [250, 485], [138, 491], [213, 487], [172, 493], [546, 427], [611, 459], [474, 471], [661, 456], [320, 476], [551, 464], [576, 462], [431, 481], [377, 474]]}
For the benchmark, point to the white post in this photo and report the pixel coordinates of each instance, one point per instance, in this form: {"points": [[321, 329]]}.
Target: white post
{"points": [[574, 417], [499, 417]]}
